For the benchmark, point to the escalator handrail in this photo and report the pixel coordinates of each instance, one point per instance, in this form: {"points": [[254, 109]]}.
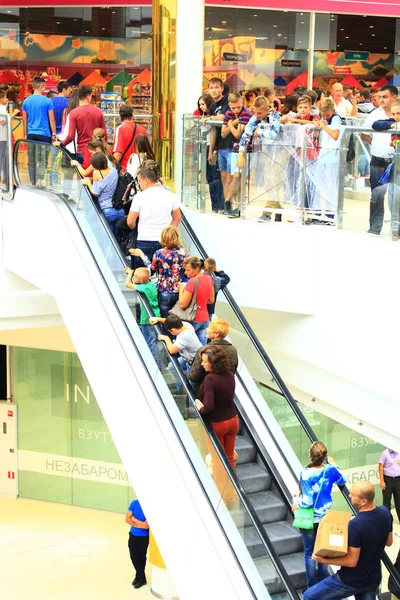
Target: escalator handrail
{"points": [[171, 421], [281, 384], [276, 561]]}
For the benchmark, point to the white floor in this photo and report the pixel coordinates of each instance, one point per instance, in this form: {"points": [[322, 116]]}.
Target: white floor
{"points": [[56, 551]]}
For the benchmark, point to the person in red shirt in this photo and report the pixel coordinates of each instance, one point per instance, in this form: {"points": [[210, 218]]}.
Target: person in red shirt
{"points": [[83, 120], [205, 294], [125, 135]]}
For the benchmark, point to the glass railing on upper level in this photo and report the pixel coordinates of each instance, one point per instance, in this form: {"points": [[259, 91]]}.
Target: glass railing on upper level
{"points": [[44, 167], [289, 414], [6, 172], [296, 174]]}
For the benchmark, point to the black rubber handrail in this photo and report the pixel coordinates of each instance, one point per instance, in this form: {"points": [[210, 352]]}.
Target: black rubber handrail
{"points": [[182, 445], [275, 559], [280, 383]]}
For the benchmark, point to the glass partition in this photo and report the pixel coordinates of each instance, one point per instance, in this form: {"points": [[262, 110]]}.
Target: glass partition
{"points": [[6, 175], [34, 163], [298, 175]]}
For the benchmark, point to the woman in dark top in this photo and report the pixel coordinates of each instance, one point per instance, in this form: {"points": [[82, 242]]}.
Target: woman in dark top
{"points": [[216, 393]]}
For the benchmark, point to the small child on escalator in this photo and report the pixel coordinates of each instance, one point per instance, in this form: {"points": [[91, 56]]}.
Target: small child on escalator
{"points": [[141, 283], [220, 279]]}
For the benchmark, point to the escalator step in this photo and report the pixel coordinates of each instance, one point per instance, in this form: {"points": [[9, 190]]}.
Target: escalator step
{"points": [[253, 478], [285, 539], [294, 565], [245, 450], [269, 507]]}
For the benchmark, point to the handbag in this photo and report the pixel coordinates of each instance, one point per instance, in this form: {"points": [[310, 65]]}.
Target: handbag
{"points": [[304, 517], [187, 314]]}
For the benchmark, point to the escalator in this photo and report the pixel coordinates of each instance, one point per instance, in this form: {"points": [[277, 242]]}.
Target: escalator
{"points": [[258, 495]]}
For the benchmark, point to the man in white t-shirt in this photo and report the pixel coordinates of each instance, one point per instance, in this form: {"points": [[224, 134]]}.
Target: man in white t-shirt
{"points": [[343, 107], [156, 208], [381, 157]]}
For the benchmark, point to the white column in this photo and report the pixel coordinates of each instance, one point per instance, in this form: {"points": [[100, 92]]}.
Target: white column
{"points": [[311, 44], [189, 69]]}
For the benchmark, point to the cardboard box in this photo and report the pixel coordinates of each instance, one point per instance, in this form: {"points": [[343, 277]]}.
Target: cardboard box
{"points": [[332, 534]]}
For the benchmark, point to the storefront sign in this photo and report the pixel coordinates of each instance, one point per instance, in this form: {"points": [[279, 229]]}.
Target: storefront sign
{"points": [[342, 70], [291, 63], [233, 57], [355, 55]]}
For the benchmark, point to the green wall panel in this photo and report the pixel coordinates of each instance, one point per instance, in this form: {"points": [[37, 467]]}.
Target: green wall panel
{"points": [[66, 453]]}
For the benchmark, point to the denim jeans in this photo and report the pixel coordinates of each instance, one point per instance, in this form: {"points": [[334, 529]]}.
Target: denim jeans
{"points": [[200, 329], [4, 163], [37, 157], [150, 335], [113, 215], [185, 369], [315, 571], [55, 162], [148, 247], [377, 204], [213, 177], [166, 301], [333, 588]]}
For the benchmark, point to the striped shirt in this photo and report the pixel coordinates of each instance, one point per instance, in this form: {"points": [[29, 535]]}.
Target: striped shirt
{"points": [[244, 118]]}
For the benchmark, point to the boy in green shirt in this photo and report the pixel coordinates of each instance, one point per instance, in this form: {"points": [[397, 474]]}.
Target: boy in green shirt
{"points": [[141, 283]]}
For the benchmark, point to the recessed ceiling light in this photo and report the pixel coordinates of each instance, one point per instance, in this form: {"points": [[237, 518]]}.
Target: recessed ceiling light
{"points": [[299, 42], [255, 15], [347, 37], [223, 22], [87, 31], [371, 26], [279, 34], [103, 28], [373, 35], [275, 25], [58, 22], [385, 48], [342, 30], [360, 44], [230, 35], [301, 22]]}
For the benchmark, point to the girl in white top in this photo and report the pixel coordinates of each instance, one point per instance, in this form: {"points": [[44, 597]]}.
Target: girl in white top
{"points": [[143, 151]]}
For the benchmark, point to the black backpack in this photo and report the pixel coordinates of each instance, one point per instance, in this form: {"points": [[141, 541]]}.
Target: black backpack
{"points": [[125, 182], [121, 195]]}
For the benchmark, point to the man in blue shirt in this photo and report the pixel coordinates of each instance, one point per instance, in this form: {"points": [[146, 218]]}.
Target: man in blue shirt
{"points": [[60, 103], [138, 541], [369, 532], [40, 126]]}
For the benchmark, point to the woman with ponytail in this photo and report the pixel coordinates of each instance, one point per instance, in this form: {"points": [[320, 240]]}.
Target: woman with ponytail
{"points": [[316, 482]]}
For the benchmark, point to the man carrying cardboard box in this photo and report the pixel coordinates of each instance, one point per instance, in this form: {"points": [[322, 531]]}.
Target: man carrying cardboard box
{"points": [[368, 533]]}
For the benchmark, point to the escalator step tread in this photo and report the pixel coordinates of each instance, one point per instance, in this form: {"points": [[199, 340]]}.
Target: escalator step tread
{"points": [[294, 565], [268, 505], [285, 539], [245, 449], [253, 477]]}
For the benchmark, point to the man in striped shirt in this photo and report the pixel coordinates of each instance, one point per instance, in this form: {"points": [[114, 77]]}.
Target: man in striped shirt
{"points": [[235, 121]]}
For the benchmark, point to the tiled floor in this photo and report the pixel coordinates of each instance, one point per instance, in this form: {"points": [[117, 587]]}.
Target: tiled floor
{"points": [[56, 551]]}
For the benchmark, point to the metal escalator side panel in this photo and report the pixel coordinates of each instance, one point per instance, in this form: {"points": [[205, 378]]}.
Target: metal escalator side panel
{"points": [[54, 257]]}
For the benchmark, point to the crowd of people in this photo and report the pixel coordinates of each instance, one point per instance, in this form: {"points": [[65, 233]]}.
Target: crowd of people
{"points": [[245, 116], [181, 290]]}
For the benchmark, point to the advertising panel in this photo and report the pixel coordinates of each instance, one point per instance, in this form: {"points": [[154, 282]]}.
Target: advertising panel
{"points": [[65, 450]]}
